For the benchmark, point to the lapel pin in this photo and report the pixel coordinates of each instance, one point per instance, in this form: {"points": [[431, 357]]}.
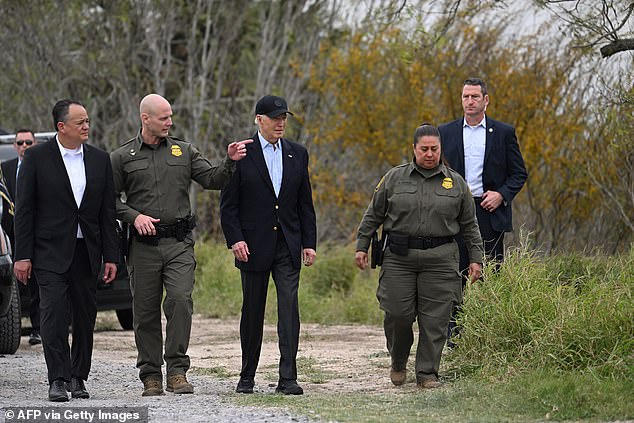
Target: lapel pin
{"points": [[290, 156], [490, 129], [132, 152]]}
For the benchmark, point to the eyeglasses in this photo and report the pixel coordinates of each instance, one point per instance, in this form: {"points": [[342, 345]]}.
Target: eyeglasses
{"points": [[20, 142]]}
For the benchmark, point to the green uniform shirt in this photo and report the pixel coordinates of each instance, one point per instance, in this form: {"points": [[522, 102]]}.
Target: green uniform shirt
{"points": [[155, 179], [422, 203]]}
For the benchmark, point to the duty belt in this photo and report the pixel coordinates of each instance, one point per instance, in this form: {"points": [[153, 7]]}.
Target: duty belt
{"points": [[426, 242], [400, 243], [177, 230]]}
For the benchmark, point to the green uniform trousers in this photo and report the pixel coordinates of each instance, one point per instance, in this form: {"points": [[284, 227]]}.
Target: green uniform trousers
{"points": [[423, 285], [170, 266]]}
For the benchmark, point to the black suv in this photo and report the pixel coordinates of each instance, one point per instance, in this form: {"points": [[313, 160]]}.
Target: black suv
{"points": [[14, 297]]}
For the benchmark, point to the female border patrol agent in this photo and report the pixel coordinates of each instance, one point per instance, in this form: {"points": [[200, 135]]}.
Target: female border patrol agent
{"points": [[422, 205]]}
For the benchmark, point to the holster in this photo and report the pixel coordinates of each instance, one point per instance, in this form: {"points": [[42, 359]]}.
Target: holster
{"points": [[376, 253], [398, 243]]}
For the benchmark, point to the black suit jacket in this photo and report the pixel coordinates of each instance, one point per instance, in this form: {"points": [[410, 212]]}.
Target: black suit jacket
{"points": [[9, 168], [250, 211], [503, 170], [47, 215]]}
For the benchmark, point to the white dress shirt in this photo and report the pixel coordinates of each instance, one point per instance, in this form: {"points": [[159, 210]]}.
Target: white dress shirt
{"points": [[474, 141], [273, 158], [74, 163]]}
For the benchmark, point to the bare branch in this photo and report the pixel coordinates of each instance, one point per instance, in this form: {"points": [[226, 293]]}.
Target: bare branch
{"points": [[617, 46]]}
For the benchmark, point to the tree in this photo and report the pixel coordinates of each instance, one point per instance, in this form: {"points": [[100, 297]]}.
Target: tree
{"points": [[605, 24], [384, 82]]}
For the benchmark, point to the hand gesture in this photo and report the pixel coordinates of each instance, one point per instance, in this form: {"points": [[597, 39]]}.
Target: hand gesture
{"points": [[238, 150]]}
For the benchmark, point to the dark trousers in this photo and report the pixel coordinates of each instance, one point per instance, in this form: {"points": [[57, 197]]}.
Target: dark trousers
{"points": [[65, 298], [34, 308], [493, 250], [254, 290]]}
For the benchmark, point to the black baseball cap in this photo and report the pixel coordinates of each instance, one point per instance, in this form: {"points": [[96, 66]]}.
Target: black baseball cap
{"points": [[272, 106]]}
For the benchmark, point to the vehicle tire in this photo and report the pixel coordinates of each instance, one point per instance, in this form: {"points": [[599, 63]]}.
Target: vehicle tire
{"points": [[125, 318], [10, 324]]}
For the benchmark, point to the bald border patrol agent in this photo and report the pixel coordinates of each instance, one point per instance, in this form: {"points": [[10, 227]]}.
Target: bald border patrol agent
{"points": [[422, 205], [152, 176]]}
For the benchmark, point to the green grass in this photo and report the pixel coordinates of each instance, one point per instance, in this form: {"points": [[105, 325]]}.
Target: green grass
{"points": [[331, 291], [544, 339], [538, 313], [217, 371], [531, 397]]}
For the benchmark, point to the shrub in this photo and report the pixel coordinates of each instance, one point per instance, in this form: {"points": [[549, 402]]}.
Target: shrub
{"points": [[218, 290], [331, 291], [563, 313]]}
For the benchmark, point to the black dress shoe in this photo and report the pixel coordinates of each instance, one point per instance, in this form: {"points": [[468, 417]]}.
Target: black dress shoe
{"points": [[56, 391], [289, 387], [34, 338], [76, 388], [245, 385]]}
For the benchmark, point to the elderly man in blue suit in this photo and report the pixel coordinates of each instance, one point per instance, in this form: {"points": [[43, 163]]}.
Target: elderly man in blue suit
{"points": [[486, 153]]}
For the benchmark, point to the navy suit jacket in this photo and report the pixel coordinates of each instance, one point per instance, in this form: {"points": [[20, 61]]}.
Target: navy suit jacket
{"points": [[504, 170], [47, 215], [250, 211]]}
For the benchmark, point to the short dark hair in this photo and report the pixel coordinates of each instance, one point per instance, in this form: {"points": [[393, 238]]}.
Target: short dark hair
{"points": [[22, 130], [477, 81], [426, 129], [60, 110]]}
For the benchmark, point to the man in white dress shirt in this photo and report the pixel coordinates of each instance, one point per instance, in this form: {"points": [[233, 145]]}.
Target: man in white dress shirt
{"points": [[486, 153], [64, 229]]}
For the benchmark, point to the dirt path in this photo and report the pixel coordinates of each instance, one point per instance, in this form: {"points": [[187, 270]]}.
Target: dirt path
{"points": [[341, 358]]}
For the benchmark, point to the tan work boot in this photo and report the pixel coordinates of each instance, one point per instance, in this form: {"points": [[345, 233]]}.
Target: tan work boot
{"points": [[152, 387], [179, 385], [429, 383], [398, 376]]}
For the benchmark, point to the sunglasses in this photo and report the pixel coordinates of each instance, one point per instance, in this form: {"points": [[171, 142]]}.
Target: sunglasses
{"points": [[28, 142]]}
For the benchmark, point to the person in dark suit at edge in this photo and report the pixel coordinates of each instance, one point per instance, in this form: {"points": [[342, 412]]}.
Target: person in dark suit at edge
{"points": [[269, 223], [486, 153], [24, 139], [64, 229]]}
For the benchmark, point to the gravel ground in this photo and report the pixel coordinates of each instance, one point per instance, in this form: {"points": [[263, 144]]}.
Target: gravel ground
{"points": [[358, 363], [113, 383]]}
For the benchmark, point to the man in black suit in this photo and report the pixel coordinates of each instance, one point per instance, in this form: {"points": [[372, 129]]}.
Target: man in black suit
{"points": [[268, 220], [64, 228], [24, 139], [486, 153]]}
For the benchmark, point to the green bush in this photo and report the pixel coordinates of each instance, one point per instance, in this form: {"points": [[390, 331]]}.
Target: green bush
{"points": [[566, 313], [331, 291], [218, 290]]}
